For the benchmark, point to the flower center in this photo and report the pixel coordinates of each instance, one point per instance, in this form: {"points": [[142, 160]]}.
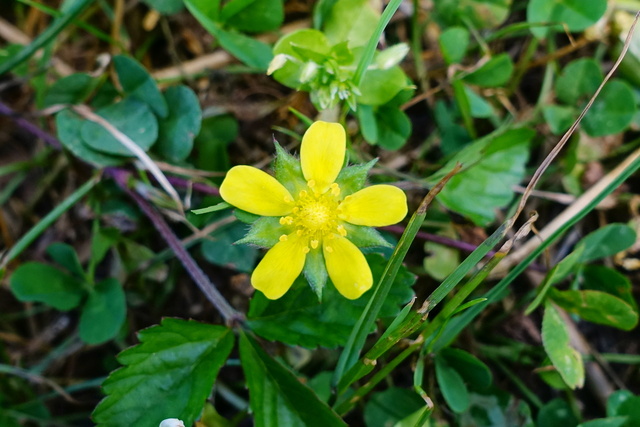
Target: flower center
{"points": [[315, 216]]}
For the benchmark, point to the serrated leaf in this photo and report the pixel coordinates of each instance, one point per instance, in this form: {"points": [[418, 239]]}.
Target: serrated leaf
{"points": [[182, 124], [104, 312], [277, 397], [69, 125], [451, 386], [138, 84], [488, 182], [168, 375], [131, 117], [598, 307], [555, 338], [36, 282], [299, 319]]}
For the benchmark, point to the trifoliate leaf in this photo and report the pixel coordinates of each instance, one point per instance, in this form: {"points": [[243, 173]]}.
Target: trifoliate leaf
{"points": [[168, 375]]}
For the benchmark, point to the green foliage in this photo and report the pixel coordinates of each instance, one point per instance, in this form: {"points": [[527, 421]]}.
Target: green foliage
{"points": [[391, 406], [139, 85], [182, 124], [575, 16], [564, 357], [38, 282]]}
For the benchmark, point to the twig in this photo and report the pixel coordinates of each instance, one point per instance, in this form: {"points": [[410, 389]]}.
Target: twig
{"points": [[230, 315]]}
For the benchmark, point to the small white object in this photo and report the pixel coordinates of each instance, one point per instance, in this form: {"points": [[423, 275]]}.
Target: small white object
{"points": [[171, 422]]}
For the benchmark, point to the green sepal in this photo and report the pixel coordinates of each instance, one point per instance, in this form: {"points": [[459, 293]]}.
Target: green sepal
{"points": [[353, 178], [265, 232], [288, 171], [315, 271], [365, 237], [244, 216]]}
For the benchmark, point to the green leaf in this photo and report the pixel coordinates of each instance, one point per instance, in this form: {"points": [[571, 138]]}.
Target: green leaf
{"points": [[487, 183], [605, 279], [452, 386], [559, 118], [613, 110], [380, 86], [215, 135], [36, 282], [390, 406], [631, 409], [138, 84], [579, 81], [65, 256], [177, 131], [615, 401], [298, 318], [606, 241], [288, 171], [253, 16], [478, 107], [220, 250], [351, 20], [73, 89], [555, 338], [252, 52], [394, 127], [277, 397], [606, 422], [472, 370], [69, 125], [104, 312], [576, 15], [598, 307], [312, 40], [169, 375], [214, 208], [495, 72], [264, 232], [453, 43], [480, 13], [353, 178], [556, 413], [166, 7], [368, 125], [130, 117]]}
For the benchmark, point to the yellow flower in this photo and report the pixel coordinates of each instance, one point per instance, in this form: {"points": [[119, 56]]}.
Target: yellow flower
{"points": [[314, 217]]}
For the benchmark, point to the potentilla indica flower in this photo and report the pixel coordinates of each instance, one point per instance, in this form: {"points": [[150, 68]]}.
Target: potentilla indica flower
{"points": [[315, 215]]}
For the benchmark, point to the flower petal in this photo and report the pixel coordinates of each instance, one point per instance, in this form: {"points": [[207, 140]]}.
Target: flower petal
{"points": [[322, 153], [255, 191], [282, 264], [374, 206], [347, 267]]}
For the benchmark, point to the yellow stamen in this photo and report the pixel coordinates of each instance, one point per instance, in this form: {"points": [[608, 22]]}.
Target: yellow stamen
{"points": [[335, 189], [329, 249], [283, 238], [342, 231], [314, 244], [305, 250]]}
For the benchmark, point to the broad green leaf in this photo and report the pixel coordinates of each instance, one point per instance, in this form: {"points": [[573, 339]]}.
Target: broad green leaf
{"points": [[394, 127], [473, 371], [576, 15], [166, 7], [630, 408], [65, 256], [276, 396], [381, 86], [578, 81], [605, 279], [556, 413], [606, 241], [440, 261], [612, 111], [555, 338], [36, 282], [559, 118], [253, 16], [313, 40], [252, 52], [478, 107], [388, 407], [616, 399], [598, 307], [451, 386], [168, 375], [177, 131], [353, 21], [104, 312], [299, 319], [480, 13], [138, 84], [73, 89], [69, 125], [131, 117], [453, 43], [368, 125], [488, 183], [606, 422], [215, 135], [495, 72], [220, 250]]}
